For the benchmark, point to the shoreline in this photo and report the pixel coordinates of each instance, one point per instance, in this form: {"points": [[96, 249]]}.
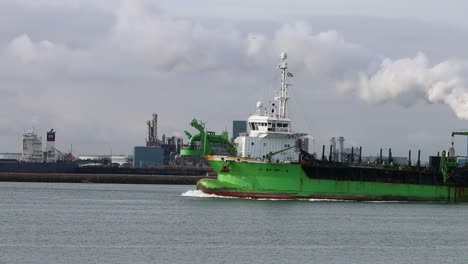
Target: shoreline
{"points": [[100, 178]]}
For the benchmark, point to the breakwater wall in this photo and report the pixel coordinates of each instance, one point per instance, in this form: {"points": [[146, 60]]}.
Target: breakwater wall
{"points": [[101, 178]]}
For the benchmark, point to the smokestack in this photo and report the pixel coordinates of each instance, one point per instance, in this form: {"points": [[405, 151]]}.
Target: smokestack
{"points": [[341, 146], [323, 153], [360, 154], [152, 139], [149, 136], [155, 126], [419, 158], [50, 147], [333, 144], [409, 158]]}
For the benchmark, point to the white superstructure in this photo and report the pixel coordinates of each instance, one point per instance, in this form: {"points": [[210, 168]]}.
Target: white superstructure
{"points": [[270, 131], [32, 147]]}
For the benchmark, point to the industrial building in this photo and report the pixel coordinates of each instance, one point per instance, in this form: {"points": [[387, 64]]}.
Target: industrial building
{"points": [[238, 127], [144, 157]]}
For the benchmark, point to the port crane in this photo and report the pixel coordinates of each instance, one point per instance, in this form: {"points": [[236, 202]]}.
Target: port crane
{"points": [[459, 133], [462, 133], [448, 161]]}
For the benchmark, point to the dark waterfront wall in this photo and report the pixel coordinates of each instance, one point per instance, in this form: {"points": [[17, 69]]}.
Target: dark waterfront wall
{"points": [[39, 167], [100, 178], [74, 168]]}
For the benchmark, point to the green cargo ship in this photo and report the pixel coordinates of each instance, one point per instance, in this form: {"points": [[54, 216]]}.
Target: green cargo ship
{"points": [[269, 162]]}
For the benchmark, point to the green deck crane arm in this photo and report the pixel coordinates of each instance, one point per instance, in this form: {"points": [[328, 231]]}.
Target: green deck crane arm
{"points": [[461, 133], [271, 154], [205, 138]]}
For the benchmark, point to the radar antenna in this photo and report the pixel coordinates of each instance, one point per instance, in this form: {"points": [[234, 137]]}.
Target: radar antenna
{"points": [[283, 95]]}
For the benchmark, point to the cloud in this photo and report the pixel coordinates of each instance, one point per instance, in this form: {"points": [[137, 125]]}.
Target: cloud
{"points": [[150, 61], [26, 51], [45, 59], [165, 43]]}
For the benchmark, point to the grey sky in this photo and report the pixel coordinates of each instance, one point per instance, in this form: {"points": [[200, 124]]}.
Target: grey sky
{"points": [[450, 12], [96, 71]]}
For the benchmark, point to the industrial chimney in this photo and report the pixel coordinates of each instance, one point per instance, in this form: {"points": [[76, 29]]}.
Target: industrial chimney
{"points": [[341, 146], [152, 138], [50, 147]]}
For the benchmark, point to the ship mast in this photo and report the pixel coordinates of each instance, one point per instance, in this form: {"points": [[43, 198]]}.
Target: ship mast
{"points": [[283, 95]]}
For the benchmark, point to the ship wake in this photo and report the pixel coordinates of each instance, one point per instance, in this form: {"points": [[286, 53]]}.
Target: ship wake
{"points": [[200, 194]]}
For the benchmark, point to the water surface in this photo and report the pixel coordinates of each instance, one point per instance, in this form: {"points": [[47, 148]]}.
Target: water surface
{"points": [[112, 223]]}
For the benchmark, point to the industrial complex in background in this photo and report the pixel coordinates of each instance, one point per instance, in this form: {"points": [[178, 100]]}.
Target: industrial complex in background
{"points": [[164, 151], [155, 152]]}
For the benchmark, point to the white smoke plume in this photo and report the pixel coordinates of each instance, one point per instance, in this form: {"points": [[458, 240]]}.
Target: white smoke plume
{"points": [[354, 70], [410, 79]]}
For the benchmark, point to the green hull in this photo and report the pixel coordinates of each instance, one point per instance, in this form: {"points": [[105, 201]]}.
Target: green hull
{"points": [[289, 181]]}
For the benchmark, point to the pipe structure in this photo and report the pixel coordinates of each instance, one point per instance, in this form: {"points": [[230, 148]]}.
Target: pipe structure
{"points": [[419, 158], [155, 126], [390, 160], [341, 149], [409, 158], [333, 143], [330, 158], [360, 154], [323, 152], [352, 154], [148, 138], [380, 158]]}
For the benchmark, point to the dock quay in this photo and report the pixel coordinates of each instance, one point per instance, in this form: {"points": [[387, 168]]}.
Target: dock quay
{"points": [[101, 178]]}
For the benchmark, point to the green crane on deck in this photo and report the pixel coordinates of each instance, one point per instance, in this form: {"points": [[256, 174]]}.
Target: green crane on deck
{"points": [[460, 133], [448, 161], [204, 140]]}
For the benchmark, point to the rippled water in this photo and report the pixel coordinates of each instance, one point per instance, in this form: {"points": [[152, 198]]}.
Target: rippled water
{"points": [[107, 223]]}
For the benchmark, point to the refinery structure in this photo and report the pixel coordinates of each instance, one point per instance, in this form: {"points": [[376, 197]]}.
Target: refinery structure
{"points": [[156, 152]]}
